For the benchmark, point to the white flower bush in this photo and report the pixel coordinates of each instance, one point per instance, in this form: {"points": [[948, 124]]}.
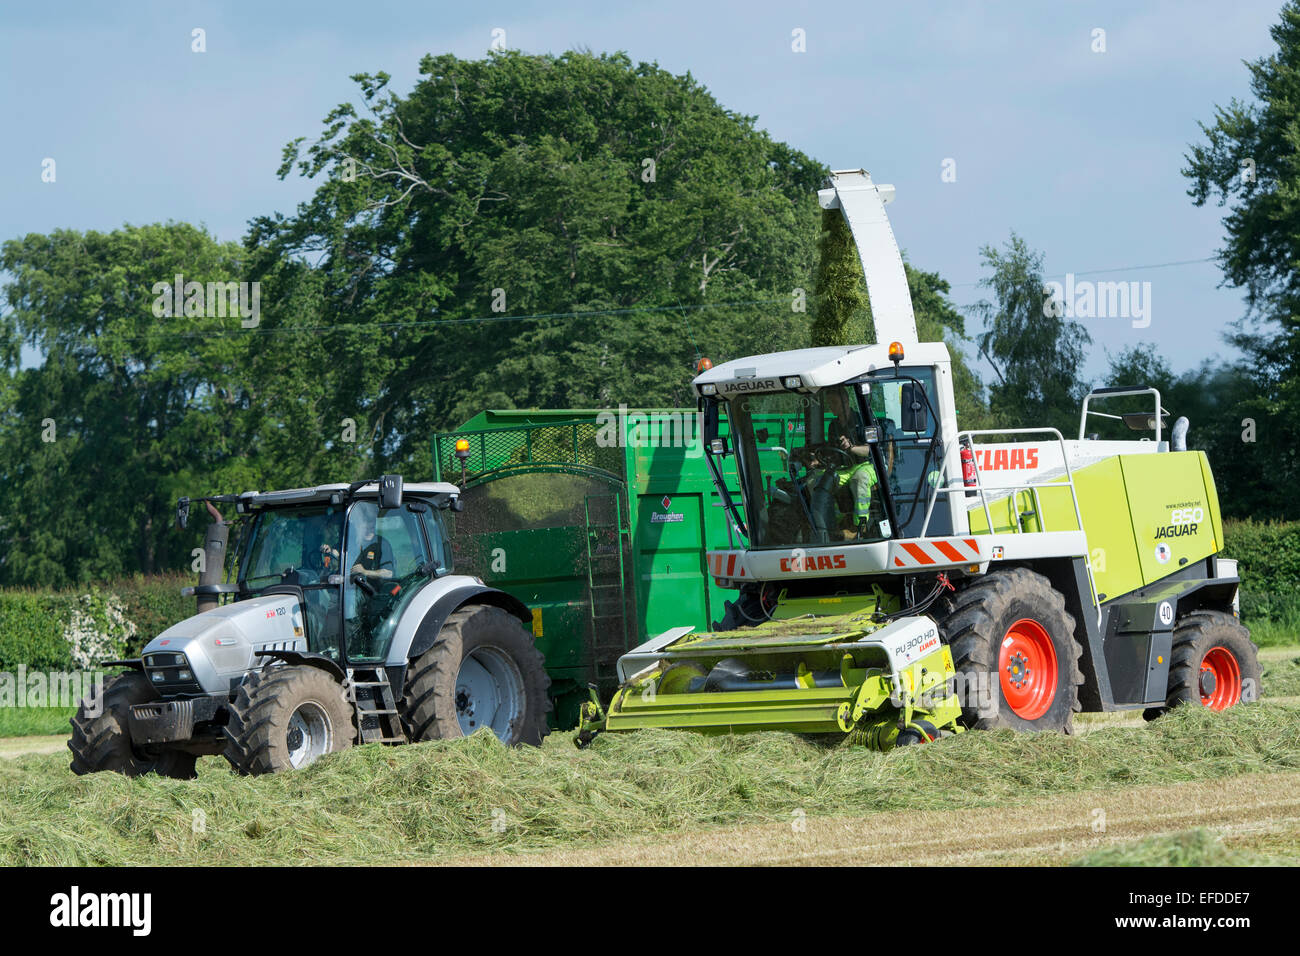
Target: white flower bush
{"points": [[98, 629]]}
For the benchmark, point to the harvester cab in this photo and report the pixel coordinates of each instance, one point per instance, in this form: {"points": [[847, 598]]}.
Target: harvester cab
{"points": [[340, 620], [899, 578]]}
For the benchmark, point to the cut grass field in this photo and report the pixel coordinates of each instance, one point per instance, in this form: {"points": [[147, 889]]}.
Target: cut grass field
{"points": [[1193, 788], [628, 794]]}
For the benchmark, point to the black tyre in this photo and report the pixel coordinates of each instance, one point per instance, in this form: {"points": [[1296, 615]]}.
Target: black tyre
{"points": [[483, 670], [1214, 663], [287, 717], [103, 742], [1014, 649]]}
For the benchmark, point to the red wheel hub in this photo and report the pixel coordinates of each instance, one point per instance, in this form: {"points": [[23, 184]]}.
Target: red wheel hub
{"points": [[1220, 679], [1027, 669]]}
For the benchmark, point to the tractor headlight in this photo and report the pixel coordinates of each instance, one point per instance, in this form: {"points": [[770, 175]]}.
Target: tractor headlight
{"points": [[171, 672], [708, 390]]}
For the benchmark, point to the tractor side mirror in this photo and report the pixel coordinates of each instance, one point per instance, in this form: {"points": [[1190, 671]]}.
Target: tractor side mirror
{"points": [[390, 492], [183, 513], [912, 400]]}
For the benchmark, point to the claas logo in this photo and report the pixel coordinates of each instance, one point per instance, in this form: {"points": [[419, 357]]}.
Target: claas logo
{"points": [[814, 562], [1007, 459]]}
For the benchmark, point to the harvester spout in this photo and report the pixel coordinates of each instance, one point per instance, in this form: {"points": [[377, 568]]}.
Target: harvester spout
{"points": [[863, 204]]}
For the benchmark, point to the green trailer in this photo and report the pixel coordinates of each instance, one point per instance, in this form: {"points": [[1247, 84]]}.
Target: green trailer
{"points": [[599, 521]]}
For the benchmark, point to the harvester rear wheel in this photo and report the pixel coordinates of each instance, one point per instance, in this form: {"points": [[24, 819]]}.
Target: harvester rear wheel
{"points": [[287, 717], [483, 670], [1213, 662], [1013, 646], [103, 742]]}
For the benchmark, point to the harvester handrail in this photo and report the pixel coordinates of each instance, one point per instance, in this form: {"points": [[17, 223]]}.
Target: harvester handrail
{"points": [[948, 477], [1119, 391]]}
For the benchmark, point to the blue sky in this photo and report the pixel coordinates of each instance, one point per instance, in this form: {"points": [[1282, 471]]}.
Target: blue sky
{"points": [[1078, 151]]}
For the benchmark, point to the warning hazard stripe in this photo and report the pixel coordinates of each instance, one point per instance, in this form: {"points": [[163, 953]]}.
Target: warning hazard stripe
{"points": [[723, 564], [949, 551], [916, 551], [911, 554]]}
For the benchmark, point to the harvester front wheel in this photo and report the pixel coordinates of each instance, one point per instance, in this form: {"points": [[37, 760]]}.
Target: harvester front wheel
{"points": [[1213, 662], [483, 670], [1014, 649], [103, 741], [287, 717]]}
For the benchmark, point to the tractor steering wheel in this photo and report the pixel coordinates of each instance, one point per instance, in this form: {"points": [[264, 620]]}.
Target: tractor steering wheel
{"points": [[828, 454]]}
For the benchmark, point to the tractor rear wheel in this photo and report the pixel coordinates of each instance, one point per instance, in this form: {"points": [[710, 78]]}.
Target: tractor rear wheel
{"points": [[103, 741], [483, 670], [1213, 662], [286, 717], [1014, 649]]}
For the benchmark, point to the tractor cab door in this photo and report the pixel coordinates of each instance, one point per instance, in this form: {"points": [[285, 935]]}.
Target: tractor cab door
{"points": [[299, 547], [386, 560], [905, 409]]}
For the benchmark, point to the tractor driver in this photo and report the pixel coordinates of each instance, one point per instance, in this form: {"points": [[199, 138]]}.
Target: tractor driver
{"points": [[322, 555], [372, 558]]}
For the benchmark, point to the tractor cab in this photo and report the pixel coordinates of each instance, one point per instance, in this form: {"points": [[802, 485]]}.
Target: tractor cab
{"points": [[355, 558], [831, 446]]}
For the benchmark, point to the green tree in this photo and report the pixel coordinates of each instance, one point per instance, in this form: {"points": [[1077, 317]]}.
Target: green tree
{"points": [[534, 185], [123, 410], [1250, 162], [1036, 353]]}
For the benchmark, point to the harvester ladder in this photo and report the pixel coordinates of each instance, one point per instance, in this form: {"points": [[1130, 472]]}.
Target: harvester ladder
{"points": [[378, 719], [607, 575]]}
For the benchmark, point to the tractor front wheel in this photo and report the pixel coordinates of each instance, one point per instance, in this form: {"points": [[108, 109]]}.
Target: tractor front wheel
{"points": [[483, 670], [287, 717], [1014, 649], [101, 734]]}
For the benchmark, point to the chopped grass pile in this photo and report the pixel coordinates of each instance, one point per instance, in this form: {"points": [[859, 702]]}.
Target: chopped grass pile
{"points": [[1199, 847], [430, 801]]}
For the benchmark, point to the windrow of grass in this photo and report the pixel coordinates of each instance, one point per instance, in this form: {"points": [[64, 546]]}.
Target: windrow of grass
{"points": [[426, 802], [1197, 847]]}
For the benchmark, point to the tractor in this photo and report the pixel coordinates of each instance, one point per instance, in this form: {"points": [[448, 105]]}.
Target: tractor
{"points": [[899, 579], [344, 623]]}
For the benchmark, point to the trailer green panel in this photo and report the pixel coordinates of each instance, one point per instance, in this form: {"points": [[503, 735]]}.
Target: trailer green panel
{"points": [[599, 521]]}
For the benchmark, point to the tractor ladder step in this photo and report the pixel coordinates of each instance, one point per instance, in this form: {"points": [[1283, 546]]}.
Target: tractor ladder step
{"points": [[378, 718]]}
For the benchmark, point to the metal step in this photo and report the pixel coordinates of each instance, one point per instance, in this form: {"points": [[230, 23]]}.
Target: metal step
{"points": [[378, 719]]}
